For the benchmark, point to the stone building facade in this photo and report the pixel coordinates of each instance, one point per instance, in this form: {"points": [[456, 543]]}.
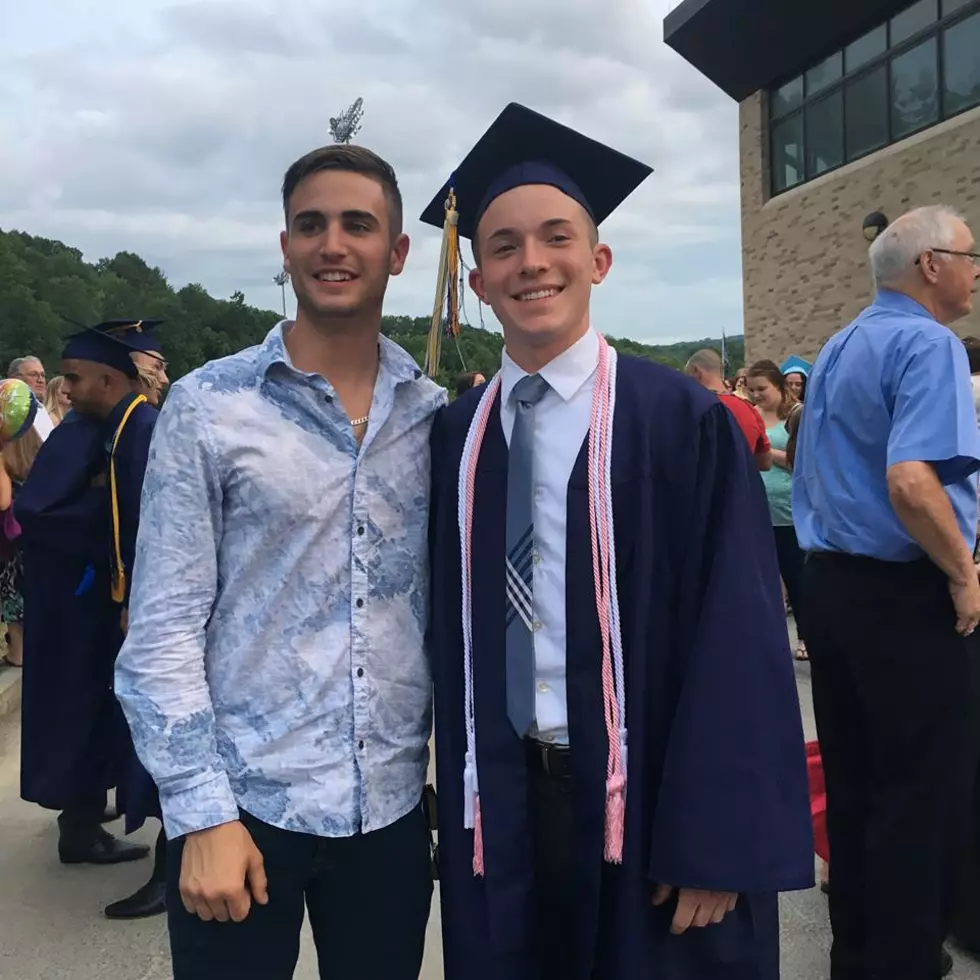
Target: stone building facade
{"points": [[804, 257]]}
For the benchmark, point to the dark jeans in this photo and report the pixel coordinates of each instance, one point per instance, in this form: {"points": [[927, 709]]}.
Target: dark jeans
{"points": [[891, 688], [367, 896], [790, 557]]}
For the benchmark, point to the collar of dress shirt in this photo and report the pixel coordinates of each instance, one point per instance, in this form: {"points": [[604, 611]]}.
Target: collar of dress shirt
{"points": [[397, 363], [890, 299], [565, 374]]}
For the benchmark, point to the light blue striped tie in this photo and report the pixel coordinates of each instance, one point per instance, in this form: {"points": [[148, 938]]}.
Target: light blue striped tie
{"points": [[520, 556]]}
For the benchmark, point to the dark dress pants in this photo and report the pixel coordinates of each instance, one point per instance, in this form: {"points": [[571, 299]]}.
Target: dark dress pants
{"points": [[891, 687], [368, 899]]}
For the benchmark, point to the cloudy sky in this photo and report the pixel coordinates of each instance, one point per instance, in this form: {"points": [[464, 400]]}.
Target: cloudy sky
{"points": [[164, 128]]}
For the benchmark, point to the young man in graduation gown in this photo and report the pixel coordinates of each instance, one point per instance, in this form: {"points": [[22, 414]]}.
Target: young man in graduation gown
{"points": [[126, 403], [75, 743], [622, 795]]}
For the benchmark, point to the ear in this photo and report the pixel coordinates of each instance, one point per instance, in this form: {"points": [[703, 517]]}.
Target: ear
{"points": [[399, 253], [929, 265], [476, 284], [283, 244], [602, 259]]}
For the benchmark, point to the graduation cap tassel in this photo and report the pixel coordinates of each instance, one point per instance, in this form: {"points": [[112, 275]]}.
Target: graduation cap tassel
{"points": [[447, 298]]}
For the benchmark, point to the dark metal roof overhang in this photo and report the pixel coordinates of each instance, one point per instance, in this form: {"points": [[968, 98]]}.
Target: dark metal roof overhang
{"points": [[746, 45]]}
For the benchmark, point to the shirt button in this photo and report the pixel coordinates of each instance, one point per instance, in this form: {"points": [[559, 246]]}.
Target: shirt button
{"points": [[360, 744], [360, 671], [543, 688], [359, 603], [360, 530], [537, 559], [536, 625]]}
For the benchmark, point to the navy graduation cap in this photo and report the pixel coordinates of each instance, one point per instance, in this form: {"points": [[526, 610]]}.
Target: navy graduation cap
{"points": [[523, 147], [112, 341]]}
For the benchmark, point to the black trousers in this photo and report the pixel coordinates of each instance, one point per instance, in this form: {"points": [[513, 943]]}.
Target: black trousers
{"points": [[891, 686], [368, 899], [552, 819], [790, 557]]}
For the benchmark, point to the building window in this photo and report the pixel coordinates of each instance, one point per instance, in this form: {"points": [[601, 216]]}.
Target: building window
{"points": [[825, 134], [904, 75], [915, 89], [787, 153], [961, 65], [912, 20], [866, 113]]}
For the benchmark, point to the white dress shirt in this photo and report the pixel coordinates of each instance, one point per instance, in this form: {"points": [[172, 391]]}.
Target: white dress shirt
{"points": [[561, 423]]}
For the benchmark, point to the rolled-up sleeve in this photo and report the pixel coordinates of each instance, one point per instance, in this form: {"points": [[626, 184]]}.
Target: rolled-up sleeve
{"points": [[160, 673], [933, 420]]}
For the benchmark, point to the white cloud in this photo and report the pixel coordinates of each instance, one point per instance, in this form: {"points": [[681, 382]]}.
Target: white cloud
{"points": [[164, 128]]}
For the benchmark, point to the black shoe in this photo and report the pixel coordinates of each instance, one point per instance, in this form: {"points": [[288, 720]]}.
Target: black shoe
{"points": [[945, 964], [97, 847], [147, 901]]}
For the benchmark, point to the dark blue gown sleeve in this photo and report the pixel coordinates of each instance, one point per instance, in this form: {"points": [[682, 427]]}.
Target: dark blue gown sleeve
{"points": [[132, 456], [63, 502], [733, 809]]}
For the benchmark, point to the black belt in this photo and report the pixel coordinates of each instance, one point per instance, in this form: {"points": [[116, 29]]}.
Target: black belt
{"points": [[547, 757]]}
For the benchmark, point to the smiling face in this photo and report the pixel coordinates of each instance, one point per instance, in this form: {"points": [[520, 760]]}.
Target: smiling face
{"points": [[794, 381], [538, 262], [339, 249], [152, 376], [764, 393]]}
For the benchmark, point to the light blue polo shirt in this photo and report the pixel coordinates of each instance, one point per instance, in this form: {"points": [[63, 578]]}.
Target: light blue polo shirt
{"points": [[893, 387]]}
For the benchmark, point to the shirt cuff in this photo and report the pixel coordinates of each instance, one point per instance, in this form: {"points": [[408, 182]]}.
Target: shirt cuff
{"points": [[199, 807]]}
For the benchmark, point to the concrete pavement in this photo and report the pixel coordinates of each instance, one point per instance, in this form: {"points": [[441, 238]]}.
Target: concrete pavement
{"points": [[51, 927]]}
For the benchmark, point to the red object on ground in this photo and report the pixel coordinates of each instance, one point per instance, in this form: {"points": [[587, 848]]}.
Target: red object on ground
{"points": [[818, 800]]}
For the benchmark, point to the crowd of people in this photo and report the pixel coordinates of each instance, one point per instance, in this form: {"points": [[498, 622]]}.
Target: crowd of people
{"points": [[240, 610]]}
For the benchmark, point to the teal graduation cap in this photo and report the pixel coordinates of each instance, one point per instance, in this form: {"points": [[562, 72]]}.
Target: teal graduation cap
{"points": [[524, 147], [112, 342], [794, 364]]}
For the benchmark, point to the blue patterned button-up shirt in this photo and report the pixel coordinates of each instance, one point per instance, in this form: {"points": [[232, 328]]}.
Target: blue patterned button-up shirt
{"points": [[275, 659]]}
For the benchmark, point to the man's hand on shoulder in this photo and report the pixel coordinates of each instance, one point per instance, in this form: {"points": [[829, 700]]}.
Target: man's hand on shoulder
{"points": [[221, 872], [696, 907]]}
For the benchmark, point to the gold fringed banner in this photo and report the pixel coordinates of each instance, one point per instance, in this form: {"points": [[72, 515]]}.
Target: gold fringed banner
{"points": [[447, 293]]}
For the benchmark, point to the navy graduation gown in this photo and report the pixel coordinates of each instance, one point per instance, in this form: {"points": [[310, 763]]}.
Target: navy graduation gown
{"points": [[137, 795], [717, 795], [75, 741]]}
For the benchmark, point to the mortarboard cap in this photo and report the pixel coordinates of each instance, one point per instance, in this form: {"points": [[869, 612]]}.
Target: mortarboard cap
{"points": [[794, 364], [136, 334], [523, 147], [111, 343]]}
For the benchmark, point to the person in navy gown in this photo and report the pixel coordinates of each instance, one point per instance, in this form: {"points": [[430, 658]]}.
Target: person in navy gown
{"points": [[129, 346], [622, 794], [75, 744], [104, 385]]}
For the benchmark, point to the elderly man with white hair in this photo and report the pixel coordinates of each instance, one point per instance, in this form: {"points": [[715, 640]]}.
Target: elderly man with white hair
{"points": [[30, 370], [885, 502]]}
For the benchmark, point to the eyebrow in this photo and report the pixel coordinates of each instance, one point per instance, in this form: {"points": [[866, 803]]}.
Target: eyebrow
{"points": [[546, 225], [349, 215]]}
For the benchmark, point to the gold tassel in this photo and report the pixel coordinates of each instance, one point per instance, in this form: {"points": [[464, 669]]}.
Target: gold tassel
{"points": [[445, 302]]}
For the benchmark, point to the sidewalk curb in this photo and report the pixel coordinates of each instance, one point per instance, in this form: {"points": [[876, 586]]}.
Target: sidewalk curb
{"points": [[10, 684]]}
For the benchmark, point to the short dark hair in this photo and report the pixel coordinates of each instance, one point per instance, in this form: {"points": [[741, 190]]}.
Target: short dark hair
{"points": [[466, 381], [353, 159], [972, 345]]}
